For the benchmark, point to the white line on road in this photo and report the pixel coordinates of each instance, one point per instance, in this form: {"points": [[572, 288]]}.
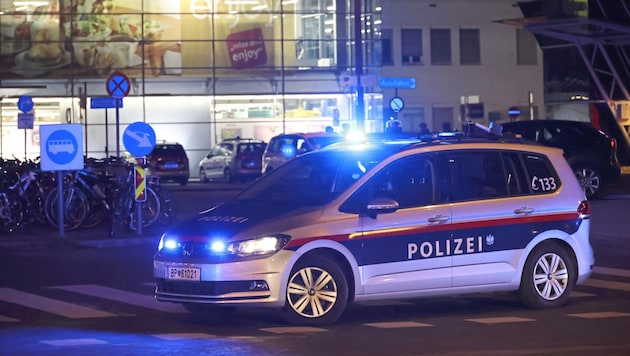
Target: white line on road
{"points": [[49, 305], [141, 300]]}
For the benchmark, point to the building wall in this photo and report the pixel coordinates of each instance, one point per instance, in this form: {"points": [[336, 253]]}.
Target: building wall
{"points": [[498, 81]]}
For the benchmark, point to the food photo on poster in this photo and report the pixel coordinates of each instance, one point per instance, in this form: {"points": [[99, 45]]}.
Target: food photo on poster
{"points": [[92, 38]]}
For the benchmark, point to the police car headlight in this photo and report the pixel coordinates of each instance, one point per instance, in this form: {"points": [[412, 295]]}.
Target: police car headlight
{"points": [[265, 245], [168, 243]]}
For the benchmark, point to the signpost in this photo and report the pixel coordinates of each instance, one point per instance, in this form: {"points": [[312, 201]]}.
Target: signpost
{"points": [[61, 149], [514, 113], [117, 86], [139, 140], [26, 118]]}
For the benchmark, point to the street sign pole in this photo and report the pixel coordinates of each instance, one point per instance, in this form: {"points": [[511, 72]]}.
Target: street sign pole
{"points": [[60, 213], [117, 131]]}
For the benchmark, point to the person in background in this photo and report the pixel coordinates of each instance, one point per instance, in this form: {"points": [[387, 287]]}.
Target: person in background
{"points": [[424, 130]]}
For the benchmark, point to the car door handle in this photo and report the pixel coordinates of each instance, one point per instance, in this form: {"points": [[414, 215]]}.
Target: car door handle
{"points": [[523, 210], [438, 219]]}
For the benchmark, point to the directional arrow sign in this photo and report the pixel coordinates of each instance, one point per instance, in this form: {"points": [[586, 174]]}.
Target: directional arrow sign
{"points": [[139, 139]]}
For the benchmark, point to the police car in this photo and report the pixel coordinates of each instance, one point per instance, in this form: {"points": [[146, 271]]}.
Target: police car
{"points": [[361, 221]]}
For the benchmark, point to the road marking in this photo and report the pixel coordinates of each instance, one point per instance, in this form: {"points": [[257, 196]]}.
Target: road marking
{"points": [[612, 271], [6, 319], [74, 342], [500, 320], [398, 324], [598, 283], [49, 305], [599, 315], [184, 336], [141, 300], [293, 330]]}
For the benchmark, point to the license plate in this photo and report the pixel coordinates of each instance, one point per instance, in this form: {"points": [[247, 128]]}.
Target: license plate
{"points": [[184, 273], [171, 165]]}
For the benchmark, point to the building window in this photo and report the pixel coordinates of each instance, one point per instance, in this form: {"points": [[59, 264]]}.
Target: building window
{"points": [[526, 48], [441, 47], [411, 46], [386, 47], [469, 46]]}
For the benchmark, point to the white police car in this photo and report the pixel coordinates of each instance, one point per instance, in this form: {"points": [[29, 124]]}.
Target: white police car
{"points": [[384, 220]]}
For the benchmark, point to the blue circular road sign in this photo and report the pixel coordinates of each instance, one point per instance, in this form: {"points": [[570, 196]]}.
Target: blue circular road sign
{"points": [[139, 139], [396, 104], [25, 103], [118, 85]]}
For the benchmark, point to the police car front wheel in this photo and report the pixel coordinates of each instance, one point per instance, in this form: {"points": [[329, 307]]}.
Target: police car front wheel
{"points": [[548, 277], [317, 292]]}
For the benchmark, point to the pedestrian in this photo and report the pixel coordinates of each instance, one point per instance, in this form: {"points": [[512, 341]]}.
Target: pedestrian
{"points": [[424, 130]]}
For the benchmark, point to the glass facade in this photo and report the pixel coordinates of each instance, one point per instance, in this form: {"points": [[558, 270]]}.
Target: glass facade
{"points": [[202, 68]]}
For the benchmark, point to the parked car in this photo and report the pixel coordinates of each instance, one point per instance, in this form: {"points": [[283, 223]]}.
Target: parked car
{"points": [[169, 161], [232, 159], [284, 147], [591, 153], [385, 220]]}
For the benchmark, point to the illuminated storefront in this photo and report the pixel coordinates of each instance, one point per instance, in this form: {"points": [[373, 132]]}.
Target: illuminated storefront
{"points": [[200, 70]]}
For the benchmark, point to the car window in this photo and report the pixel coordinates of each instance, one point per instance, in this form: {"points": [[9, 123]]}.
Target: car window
{"points": [[409, 181], [483, 174], [168, 150], [250, 147], [323, 141], [315, 179], [226, 149], [543, 178]]}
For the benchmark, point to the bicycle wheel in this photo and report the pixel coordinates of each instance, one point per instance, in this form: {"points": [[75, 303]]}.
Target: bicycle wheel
{"points": [[168, 208], [123, 204], [74, 204], [150, 210], [11, 211]]}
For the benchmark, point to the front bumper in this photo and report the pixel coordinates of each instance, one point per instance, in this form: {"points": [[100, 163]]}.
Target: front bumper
{"points": [[256, 282]]}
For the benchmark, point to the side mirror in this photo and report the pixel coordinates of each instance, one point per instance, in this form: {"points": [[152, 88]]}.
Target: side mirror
{"points": [[382, 205]]}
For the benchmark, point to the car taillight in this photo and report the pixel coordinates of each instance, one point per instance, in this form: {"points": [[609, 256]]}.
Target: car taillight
{"points": [[613, 143], [584, 209]]}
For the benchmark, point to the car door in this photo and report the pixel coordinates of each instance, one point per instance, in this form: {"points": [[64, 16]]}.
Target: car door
{"points": [[492, 218], [404, 250], [212, 162]]}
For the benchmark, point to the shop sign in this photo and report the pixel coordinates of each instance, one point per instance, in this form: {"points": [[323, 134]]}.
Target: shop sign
{"points": [[246, 49]]}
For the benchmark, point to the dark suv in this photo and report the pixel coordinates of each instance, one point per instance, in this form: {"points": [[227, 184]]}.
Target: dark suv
{"points": [[591, 153], [168, 161], [234, 158]]}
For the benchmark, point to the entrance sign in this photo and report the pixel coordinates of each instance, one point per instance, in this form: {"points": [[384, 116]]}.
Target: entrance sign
{"points": [[61, 147], [118, 85], [139, 139]]}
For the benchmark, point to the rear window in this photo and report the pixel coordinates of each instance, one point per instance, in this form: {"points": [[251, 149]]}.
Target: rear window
{"points": [[251, 147], [323, 141], [161, 150]]}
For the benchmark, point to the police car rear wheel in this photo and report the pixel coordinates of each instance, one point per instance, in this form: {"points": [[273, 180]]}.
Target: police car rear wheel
{"points": [[317, 292], [548, 277]]}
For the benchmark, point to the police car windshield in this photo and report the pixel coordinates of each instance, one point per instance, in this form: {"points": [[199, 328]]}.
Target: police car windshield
{"points": [[315, 178]]}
